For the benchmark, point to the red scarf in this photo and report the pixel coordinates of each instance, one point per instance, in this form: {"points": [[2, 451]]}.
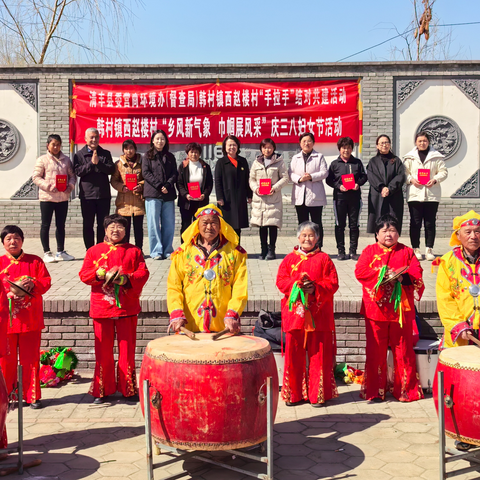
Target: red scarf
{"points": [[233, 160]]}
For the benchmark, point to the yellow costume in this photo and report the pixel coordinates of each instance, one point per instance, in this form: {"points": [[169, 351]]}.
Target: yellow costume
{"points": [[456, 306], [203, 303]]}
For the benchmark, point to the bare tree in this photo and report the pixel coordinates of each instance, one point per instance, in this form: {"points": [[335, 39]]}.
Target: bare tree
{"points": [[50, 31]]}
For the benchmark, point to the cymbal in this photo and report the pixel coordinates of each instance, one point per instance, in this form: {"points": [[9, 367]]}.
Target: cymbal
{"points": [[394, 275], [18, 289]]}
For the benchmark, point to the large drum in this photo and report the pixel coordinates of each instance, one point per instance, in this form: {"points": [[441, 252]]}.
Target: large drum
{"points": [[209, 395], [461, 367]]}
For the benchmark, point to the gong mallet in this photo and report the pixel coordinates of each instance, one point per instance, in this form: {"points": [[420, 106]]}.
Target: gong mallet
{"points": [[188, 333]]}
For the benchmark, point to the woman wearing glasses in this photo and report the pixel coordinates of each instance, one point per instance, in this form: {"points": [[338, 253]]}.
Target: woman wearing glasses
{"points": [[386, 176]]}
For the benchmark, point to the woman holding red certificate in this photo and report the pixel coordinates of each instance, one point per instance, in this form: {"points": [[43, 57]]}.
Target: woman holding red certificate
{"points": [[425, 169], [268, 176], [194, 184], [54, 177], [128, 181]]}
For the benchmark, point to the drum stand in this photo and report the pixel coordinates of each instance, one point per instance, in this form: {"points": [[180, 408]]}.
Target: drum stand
{"points": [[471, 455], [180, 455]]}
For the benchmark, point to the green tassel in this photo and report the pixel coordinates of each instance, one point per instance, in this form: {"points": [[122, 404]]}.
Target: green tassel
{"points": [[381, 276], [10, 302], [294, 294], [396, 296], [117, 291]]}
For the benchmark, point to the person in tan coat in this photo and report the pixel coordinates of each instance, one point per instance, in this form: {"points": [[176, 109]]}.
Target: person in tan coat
{"points": [[128, 181], [53, 175], [267, 208]]}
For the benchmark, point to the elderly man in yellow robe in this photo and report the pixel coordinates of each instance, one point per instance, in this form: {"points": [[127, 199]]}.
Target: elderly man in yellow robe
{"points": [[207, 282]]}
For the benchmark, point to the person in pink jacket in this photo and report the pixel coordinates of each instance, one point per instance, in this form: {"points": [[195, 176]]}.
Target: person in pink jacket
{"points": [[53, 174]]}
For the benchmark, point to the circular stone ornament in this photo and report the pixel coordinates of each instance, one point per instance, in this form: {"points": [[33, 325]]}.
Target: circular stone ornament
{"points": [[445, 134], [9, 141]]}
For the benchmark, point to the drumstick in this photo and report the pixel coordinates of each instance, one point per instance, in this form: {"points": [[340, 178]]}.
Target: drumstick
{"points": [[187, 332], [217, 335], [473, 339]]}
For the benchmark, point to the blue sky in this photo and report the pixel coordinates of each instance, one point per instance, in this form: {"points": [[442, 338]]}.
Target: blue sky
{"points": [[267, 31]]}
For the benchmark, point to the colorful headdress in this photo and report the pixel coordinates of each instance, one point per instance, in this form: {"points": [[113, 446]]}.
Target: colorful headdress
{"points": [[469, 219]]}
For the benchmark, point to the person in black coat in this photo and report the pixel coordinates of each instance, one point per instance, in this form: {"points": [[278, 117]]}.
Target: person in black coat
{"points": [[193, 170], [93, 164], [386, 175], [159, 170], [347, 198], [232, 184]]}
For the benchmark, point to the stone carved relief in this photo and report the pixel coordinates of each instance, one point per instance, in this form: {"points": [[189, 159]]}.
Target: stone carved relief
{"points": [[28, 191], [28, 91], [9, 141], [445, 134], [470, 189], [470, 88], [405, 88]]}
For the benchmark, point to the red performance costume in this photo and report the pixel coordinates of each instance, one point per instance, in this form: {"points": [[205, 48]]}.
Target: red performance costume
{"points": [[4, 319], [309, 327], [25, 323], [389, 320], [114, 307]]}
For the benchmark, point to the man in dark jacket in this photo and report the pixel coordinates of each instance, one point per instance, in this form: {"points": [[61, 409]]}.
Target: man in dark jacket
{"points": [[93, 165], [346, 175]]}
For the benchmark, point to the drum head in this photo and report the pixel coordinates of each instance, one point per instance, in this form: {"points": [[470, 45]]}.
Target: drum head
{"points": [[466, 357], [204, 350]]}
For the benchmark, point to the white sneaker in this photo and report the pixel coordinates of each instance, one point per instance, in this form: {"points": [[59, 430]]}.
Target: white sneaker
{"points": [[429, 255], [63, 256], [48, 257], [418, 254]]}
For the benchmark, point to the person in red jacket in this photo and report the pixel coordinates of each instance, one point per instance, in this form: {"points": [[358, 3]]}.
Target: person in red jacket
{"points": [[389, 292], [114, 305], [25, 313], [4, 317], [308, 279]]}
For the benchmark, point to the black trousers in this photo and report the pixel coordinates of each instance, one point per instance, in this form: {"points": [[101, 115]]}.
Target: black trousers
{"points": [[315, 213], [137, 230], [264, 232], [90, 209], [343, 208], [426, 213], [46, 210], [187, 215]]}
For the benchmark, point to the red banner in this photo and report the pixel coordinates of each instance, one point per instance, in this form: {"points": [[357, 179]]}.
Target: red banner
{"points": [[206, 113]]}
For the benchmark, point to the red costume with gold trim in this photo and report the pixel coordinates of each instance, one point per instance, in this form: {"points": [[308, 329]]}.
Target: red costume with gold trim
{"points": [[25, 323], [309, 327], [114, 307], [389, 326], [4, 319]]}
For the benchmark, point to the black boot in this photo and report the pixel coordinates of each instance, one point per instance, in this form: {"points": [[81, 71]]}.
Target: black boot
{"points": [[271, 254], [263, 255]]}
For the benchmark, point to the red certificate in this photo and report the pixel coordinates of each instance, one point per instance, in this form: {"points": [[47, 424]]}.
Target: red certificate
{"points": [[423, 175], [265, 186], [61, 182], [348, 181], [131, 180], [194, 190]]}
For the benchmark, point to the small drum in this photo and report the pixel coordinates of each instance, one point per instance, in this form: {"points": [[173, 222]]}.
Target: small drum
{"points": [[426, 354], [461, 367], [209, 395]]}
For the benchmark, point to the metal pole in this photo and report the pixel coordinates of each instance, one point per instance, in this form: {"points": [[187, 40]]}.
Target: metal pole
{"points": [[148, 428], [20, 419], [441, 425], [269, 429]]}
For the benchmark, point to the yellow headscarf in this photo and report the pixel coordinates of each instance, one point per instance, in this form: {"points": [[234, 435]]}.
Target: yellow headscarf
{"points": [[225, 229], [470, 218]]}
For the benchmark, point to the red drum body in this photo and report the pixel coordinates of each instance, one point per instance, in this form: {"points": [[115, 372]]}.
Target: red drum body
{"points": [[208, 395], [3, 407], [461, 373]]}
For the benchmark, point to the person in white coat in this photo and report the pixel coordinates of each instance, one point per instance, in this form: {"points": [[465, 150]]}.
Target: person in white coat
{"points": [[267, 208], [425, 170], [308, 169]]}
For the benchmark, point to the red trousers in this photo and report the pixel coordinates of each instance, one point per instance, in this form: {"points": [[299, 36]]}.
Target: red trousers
{"points": [[103, 383], [28, 345], [317, 382], [3, 431], [381, 335]]}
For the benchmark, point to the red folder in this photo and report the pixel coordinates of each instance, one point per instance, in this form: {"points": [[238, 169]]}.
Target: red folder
{"points": [[61, 182], [194, 189], [131, 180], [348, 181], [423, 175], [265, 186]]}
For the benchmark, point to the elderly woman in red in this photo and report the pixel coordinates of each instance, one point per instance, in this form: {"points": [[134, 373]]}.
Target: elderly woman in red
{"points": [[308, 279], [391, 277], [116, 271], [26, 313]]}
